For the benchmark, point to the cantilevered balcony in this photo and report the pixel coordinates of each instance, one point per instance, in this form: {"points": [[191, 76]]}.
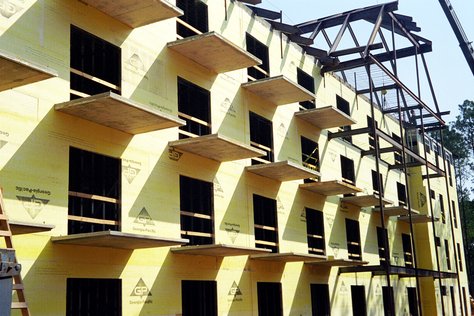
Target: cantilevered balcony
{"points": [[218, 250], [328, 188], [279, 90], [216, 147], [283, 171], [136, 13], [289, 257], [112, 110], [365, 200], [116, 239], [20, 228], [331, 262], [417, 218], [400, 210], [16, 72], [325, 117], [214, 52]]}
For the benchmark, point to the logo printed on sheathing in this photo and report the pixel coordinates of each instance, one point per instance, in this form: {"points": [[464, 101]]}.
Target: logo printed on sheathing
{"points": [[141, 289], [2, 143], [144, 218], [235, 290], [9, 8], [174, 154], [32, 205]]}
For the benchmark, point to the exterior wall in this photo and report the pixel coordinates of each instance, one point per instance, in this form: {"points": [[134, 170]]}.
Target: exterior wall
{"points": [[34, 165]]}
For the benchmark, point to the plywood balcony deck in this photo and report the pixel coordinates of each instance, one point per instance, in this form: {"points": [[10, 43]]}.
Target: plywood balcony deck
{"points": [[16, 72], [279, 90], [283, 171], [338, 263], [417, 218], [395, 210], [115, 239], [214, 52], [115, 111], [329, 188], [325, 117], [218, 250], [20, 228], [289, 257], [254, 2], [365, 200], [216, 147], [136, 13]]}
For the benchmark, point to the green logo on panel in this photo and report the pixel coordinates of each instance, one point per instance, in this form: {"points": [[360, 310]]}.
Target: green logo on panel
{"points": [[32, 205], [144, 218], [235, 290], [141, 289]]}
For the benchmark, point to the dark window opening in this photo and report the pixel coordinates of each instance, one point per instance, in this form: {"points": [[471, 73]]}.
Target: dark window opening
{"points": [[315, 231], [407, 250], [261, 137], [194, 106], [95, 65], [377, 183], [94, 192], [344, 107], [320, 303], [448, 256], [464, 298], [443, 290], [347, 170], [199, 298], [353, 240], [197, 210], [412, 301], [402, 194], [453, 300], [93, 297], [387, 295], [455, 216], [370, 124], [195, 18], [306, 81], [382, 238], [310, 155], [427, 145], [260, 51], [459, 257], [432, 194], [359, 307], [397, 155], [450, 175], [441, 209], [265, 222], [269, 299], [437, 241]]}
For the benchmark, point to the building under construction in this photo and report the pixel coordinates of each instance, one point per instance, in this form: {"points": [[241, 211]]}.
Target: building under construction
{"points": [[204, 158]]}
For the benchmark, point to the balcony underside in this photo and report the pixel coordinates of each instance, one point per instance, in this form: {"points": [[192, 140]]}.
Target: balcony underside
{"points": [[115, 111], [289, 257], [279, 90], [216, 147], [365, 200], [417, 218], [214, 52], [136, 13], [115, 239], [338, 263], [218, 250], [394, 210], [325, 117], [329, 188], [282, 171], [20, 228]]}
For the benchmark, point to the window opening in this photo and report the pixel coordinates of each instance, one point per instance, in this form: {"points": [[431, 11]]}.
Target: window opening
{"points": [[441, 209], [402, 194], [387, 296], [396, 155], [260, 51], [453, 300], [315, 231], [194, 21], [412, 301], [197, 210], [381, 238], [95, 65], [265, 222], [269, 299], [261, 137], [199, 298], [310, 156], [455, 216], [94, 192], [448, 256], [347, 170], [353, 239], [194, 106], [377, 183], [306, 81], [407, 250], [459, 257], [320, 303], [93, 297], [344, 107], [370, 124], [359, 307]]}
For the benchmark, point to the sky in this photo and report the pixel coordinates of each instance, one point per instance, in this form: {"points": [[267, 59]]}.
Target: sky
{"points": [[452, 78]]}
